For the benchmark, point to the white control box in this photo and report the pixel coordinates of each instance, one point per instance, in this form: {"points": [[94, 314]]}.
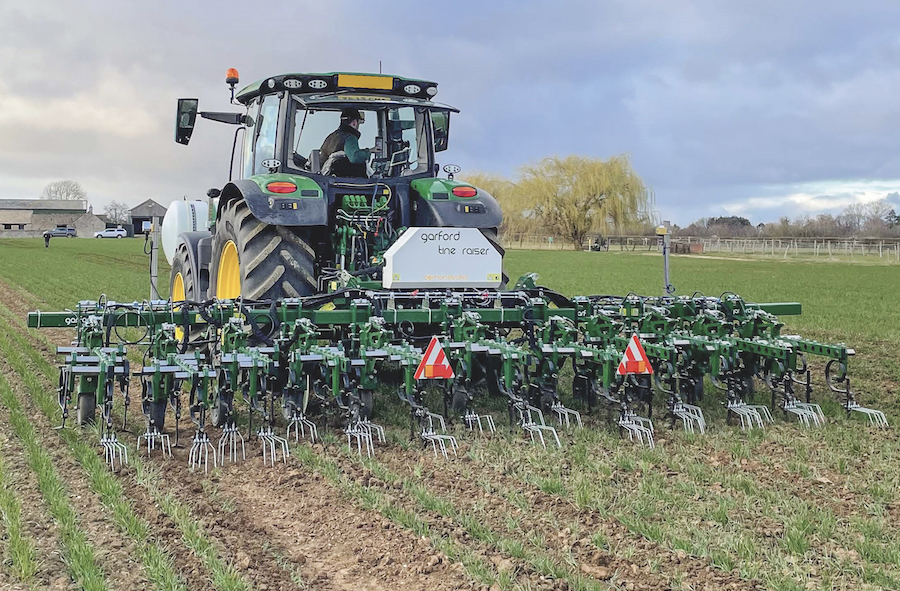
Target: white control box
{"points": [[442, 257]]}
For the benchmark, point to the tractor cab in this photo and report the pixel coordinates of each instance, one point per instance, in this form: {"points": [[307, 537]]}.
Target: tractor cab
{"points": [[340, 225]]}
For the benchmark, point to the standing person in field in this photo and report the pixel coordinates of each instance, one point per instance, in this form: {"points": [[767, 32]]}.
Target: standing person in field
{"points": [[343, 143], [46, 239]]}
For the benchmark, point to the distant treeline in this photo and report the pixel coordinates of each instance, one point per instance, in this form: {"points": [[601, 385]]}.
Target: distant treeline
{"points": [[876, 219]]}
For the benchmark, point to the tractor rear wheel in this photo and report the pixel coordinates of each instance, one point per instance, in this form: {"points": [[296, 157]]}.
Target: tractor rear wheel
{"points": [[183, 280], [259, 261], [87, 408]]}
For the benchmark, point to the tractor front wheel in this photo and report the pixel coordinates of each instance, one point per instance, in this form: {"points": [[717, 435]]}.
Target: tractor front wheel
{"points": [[259, 261]]}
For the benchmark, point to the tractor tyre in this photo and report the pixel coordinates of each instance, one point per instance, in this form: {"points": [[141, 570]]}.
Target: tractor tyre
{"points": [[259, 261], [87, 408], [158, 415], [186, 284]]}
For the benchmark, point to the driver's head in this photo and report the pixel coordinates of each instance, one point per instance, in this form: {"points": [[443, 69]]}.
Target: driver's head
{"points": [[352, 117]]}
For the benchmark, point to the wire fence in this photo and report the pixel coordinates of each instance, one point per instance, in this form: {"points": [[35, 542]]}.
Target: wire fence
{"points": [[885, 249]]}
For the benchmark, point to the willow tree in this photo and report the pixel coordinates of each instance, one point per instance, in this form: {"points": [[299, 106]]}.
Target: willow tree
{"points": [[517, 215], [575, 196]]}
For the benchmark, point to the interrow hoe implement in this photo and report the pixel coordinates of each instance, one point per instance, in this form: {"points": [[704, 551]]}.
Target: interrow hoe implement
{"points": [[302, 300]]}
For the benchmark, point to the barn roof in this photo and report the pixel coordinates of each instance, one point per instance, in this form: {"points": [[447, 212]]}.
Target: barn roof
{"points": [[44, 204]]}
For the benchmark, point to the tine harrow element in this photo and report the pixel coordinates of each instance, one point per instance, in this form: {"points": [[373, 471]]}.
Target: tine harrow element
{"points": [[335, 358], [299, 425], [271, 444], [531, 419], [363, 438], [566, 417], [113, 450], [152, 437], [473, 420], [438, 439], [228, 442], [876, 417], [637, 427], [201, 448], [691, 416]]}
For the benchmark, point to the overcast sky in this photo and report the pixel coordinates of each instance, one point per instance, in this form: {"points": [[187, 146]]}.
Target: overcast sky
{"points": [[761, 108]]}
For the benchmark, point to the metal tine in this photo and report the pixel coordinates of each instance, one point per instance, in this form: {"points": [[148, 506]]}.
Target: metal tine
{"points": [[271, 443], [642, 421], [200, 448], [564, 415], [229, 441], [806, 416], [526, 414], [690, 415], [764, 413], [746, 414], [151, 436], [378, 430], [363, 439], [876, 417], [299, 424], [814, 408], [472, 419], [113, 448], [439, 439], [633, 428]]}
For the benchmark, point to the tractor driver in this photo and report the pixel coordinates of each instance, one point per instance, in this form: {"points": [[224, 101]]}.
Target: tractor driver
{"points": [[342, 148]]}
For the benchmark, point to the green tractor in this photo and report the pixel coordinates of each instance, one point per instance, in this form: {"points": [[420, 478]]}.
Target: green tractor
{"points": [[285, 225]]}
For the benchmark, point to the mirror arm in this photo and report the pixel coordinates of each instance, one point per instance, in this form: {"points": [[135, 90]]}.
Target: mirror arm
{"points": [[229, 118]]}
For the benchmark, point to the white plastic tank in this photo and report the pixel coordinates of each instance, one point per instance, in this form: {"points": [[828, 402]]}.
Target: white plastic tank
{"points": [[183, 216]]}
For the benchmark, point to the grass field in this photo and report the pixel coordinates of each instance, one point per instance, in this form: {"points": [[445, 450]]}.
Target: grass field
{"points": [[785, 508]]}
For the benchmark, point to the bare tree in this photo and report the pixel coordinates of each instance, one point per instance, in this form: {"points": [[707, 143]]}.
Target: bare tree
{"points": [[116, 212], [64, 190]]}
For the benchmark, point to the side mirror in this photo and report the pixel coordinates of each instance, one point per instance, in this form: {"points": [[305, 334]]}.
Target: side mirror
{"points": [[440, 123], [185, 117]]}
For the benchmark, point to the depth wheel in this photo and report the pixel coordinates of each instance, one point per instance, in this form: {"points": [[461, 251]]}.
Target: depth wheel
{"points": [[221, 410], [259, 261], [87, 408], [366, 403], [158, 415]]}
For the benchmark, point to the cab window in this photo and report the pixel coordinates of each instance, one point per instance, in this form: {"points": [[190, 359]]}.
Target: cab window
{"points": [[266, 129], [249, 138]]}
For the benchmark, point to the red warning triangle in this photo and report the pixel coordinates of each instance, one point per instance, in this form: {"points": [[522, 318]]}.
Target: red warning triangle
{"points": [[434, 363], [635, 359]]}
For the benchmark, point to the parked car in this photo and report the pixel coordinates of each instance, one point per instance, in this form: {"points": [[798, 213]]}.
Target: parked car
{"points": [[62, 233], [111, 233]]}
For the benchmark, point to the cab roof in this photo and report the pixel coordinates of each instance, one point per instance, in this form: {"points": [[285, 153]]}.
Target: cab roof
{"points": [[331, 82]]}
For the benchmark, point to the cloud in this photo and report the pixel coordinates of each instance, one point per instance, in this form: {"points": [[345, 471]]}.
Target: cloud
{"points": [[722, 106]]}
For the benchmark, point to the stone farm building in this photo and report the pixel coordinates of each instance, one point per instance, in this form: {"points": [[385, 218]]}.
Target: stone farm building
{"points": [[23, 218]]}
